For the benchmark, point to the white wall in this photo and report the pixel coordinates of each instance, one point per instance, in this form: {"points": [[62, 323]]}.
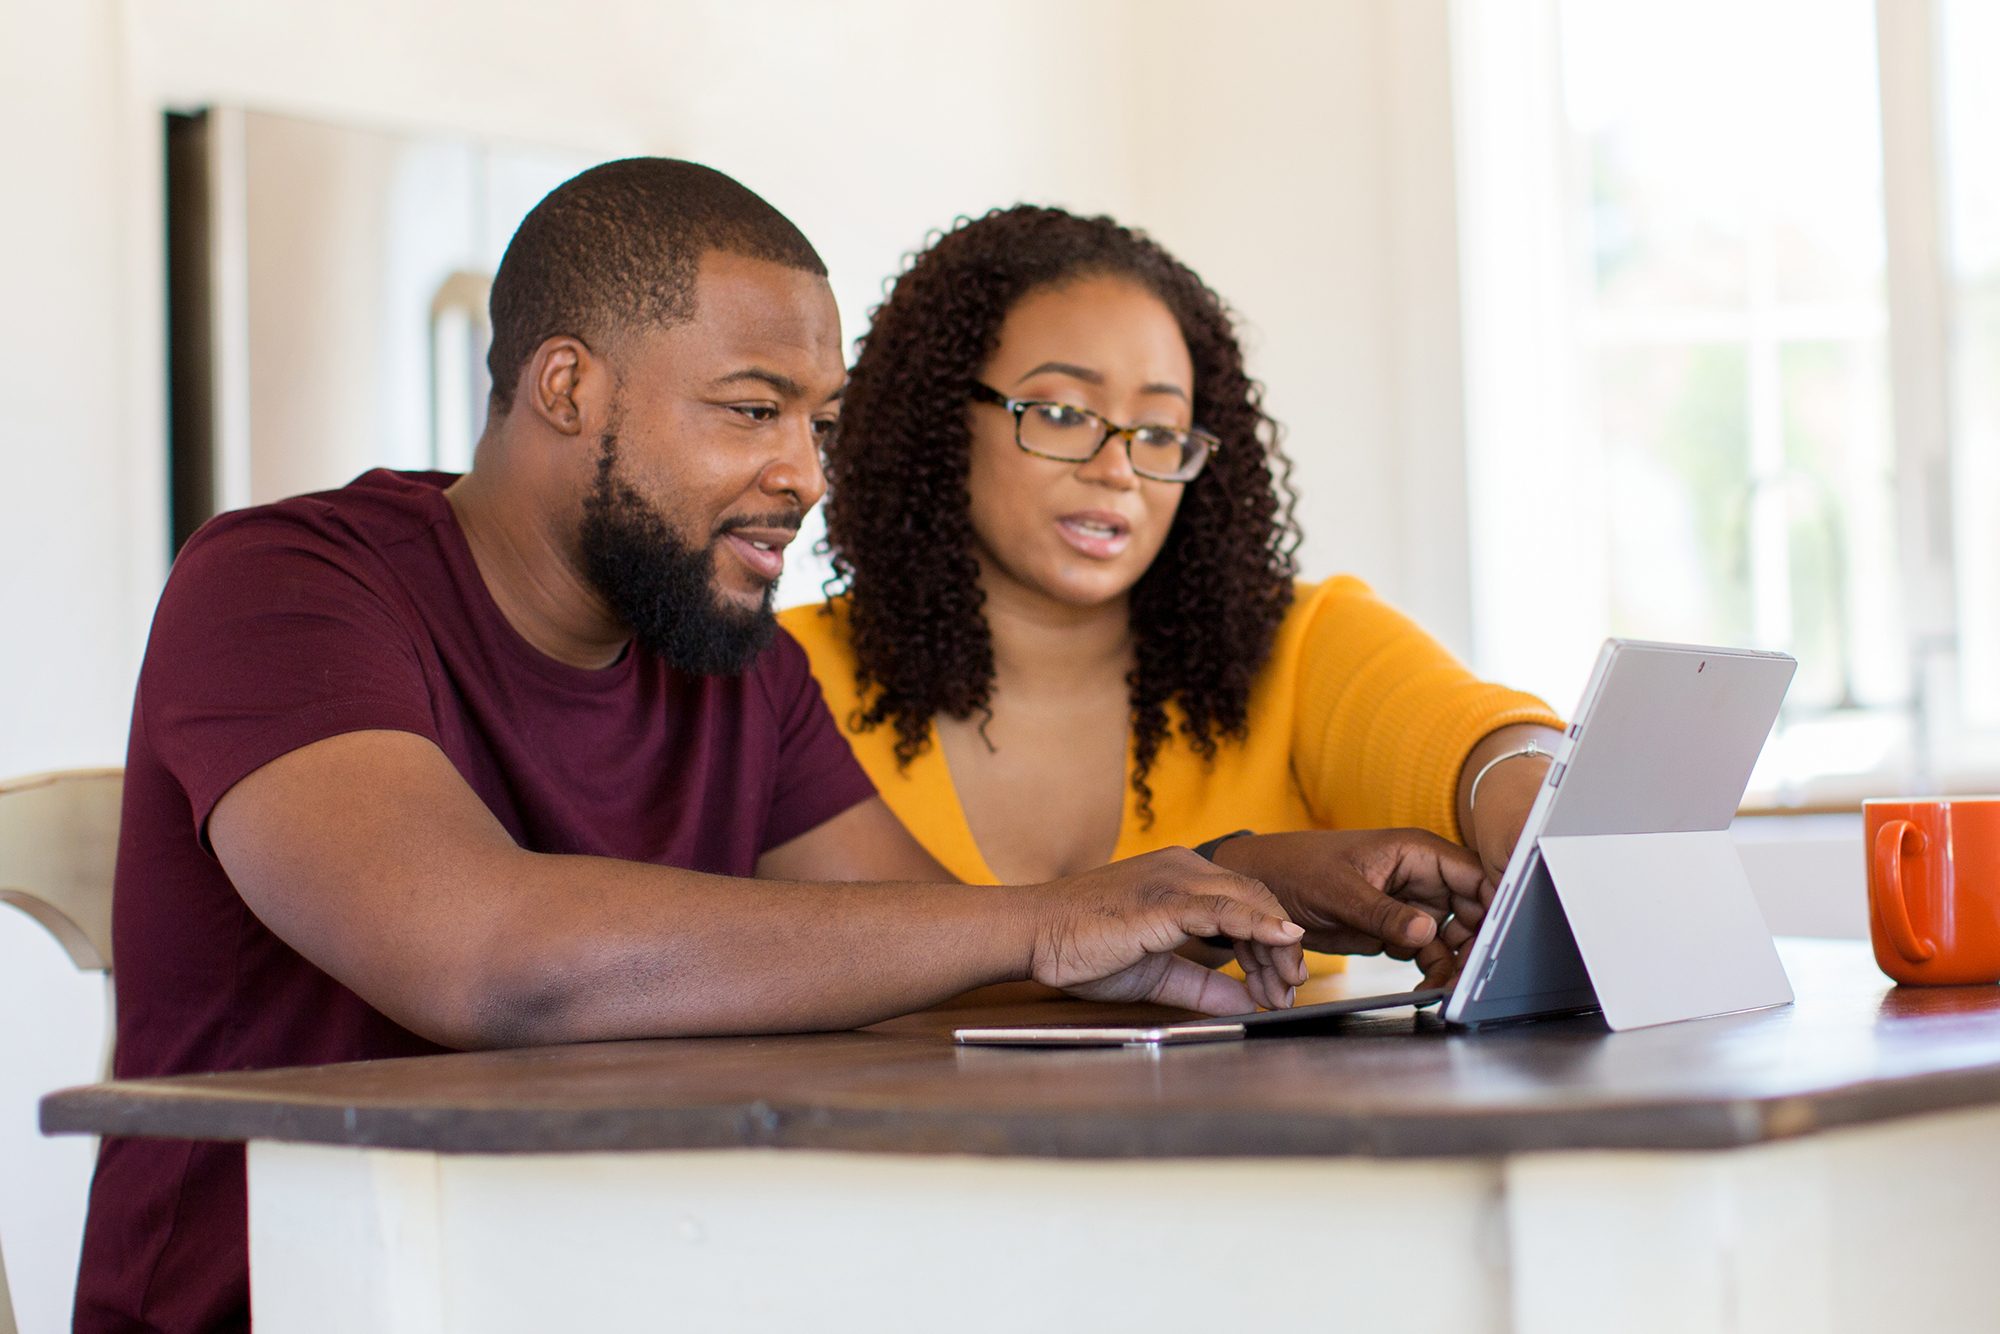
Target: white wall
{"points": [[1300, 159], [81, 526], [1296, 154], [81, 517]]}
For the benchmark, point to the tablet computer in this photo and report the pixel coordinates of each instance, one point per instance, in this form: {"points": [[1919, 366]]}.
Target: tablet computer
{"points": [[1662, 743]]}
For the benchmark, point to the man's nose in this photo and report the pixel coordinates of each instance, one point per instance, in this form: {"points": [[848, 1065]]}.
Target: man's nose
{"points": [[796, 470]]}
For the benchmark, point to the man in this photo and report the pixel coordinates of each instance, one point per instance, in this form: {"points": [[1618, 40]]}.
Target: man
{"points": [[424, 764]]}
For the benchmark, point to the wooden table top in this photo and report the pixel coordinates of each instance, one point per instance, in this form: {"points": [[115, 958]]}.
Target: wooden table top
{"points": [[1853, 1050]]}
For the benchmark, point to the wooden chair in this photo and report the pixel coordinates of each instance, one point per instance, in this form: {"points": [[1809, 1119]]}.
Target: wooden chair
{"points": [[58, 845]]}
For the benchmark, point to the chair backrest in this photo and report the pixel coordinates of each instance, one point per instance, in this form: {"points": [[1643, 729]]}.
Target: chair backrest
{"points": [[58, 846]]}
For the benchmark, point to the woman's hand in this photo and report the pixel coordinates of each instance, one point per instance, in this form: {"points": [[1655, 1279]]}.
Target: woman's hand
{"points": [[1366, 891]]}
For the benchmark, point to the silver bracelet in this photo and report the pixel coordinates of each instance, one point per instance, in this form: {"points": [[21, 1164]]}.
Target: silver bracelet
{"points": [[1522, 752]]}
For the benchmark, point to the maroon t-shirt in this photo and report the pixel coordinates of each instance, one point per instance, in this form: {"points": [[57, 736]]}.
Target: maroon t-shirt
{"points": [[356, 609]]}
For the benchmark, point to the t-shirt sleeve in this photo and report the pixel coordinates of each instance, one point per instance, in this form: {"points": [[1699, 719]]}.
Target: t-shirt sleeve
{"points": [[271, 636], [818, 776]]}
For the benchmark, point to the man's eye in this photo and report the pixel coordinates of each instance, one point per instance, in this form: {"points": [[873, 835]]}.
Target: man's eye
{"points": [[756, 412], [825, 427]]}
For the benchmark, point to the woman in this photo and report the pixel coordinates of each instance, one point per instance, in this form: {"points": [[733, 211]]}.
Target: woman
{"points": [[1064, 625]]}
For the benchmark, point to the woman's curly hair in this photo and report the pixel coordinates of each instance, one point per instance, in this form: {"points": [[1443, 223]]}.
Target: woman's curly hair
{"points": [[1203, 616]]}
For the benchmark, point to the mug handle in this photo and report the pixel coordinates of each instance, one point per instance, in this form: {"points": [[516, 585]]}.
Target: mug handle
{"points": [[1892, 843]]}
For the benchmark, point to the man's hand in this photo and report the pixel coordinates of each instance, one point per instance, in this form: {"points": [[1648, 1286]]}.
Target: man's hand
{"points": [[1110, 935], [1367, 891]]}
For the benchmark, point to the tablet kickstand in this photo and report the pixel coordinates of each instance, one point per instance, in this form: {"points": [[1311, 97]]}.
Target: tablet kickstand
{"points": [[1667, 925]]}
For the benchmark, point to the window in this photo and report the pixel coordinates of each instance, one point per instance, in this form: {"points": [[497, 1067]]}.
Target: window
{"points": [[1969, 41], [1694, 335]]}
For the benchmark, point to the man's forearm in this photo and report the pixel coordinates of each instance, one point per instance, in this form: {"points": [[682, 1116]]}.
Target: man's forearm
{"points": [[368, 855], [592, 948]]}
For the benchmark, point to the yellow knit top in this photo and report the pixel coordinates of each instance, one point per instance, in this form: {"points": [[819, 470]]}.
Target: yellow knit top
{"points": [[1359, 720]]}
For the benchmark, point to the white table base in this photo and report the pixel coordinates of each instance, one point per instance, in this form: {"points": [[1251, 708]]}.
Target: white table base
{"points": [[1890, 1226]]}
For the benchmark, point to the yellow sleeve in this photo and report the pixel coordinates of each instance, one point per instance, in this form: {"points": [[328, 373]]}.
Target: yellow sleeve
{"points": [[1385, 716]]}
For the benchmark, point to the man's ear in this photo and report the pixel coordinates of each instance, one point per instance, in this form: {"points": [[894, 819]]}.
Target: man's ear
{"points": [[556, 374]]}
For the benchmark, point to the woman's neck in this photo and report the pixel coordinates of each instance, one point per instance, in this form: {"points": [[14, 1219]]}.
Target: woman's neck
{"points": [[1042, 645]]}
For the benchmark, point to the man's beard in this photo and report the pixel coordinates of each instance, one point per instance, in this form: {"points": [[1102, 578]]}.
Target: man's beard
{"points": [[661, 587]]}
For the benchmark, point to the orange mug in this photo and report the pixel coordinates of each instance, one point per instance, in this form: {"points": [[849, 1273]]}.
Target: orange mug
{"points": [[1934, 888]]}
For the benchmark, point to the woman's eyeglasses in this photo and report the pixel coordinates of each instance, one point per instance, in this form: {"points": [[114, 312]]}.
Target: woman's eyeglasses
{"points": [[1069, 434]]}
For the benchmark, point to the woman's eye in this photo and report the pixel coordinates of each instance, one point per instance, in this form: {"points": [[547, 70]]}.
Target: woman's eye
{"points": [[756, 412], [1060, 415], [824, 427]]}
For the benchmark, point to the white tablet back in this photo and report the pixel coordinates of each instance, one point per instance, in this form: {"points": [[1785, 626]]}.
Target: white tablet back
{"points": [[1674, 731], [1662, 743]]}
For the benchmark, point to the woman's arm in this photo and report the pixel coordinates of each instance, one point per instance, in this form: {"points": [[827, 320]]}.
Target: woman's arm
{"points": [[1508, 777], [1387, 721]]}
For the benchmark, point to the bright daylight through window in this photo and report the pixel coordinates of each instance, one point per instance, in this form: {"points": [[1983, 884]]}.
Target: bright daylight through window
{"points": [[1757, 253]]}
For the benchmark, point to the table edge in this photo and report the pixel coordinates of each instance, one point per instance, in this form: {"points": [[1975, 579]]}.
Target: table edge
{"points": [[1174, 1132]]}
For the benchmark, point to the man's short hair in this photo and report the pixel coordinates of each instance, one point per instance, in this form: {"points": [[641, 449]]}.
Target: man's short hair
{"points": [[616, 249]]}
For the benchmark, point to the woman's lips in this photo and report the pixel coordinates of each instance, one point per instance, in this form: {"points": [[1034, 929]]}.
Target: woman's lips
{"points": [[1095, 533]]}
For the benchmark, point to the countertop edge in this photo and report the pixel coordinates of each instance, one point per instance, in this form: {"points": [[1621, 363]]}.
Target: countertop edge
{"points": [[1666, 1125]]}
